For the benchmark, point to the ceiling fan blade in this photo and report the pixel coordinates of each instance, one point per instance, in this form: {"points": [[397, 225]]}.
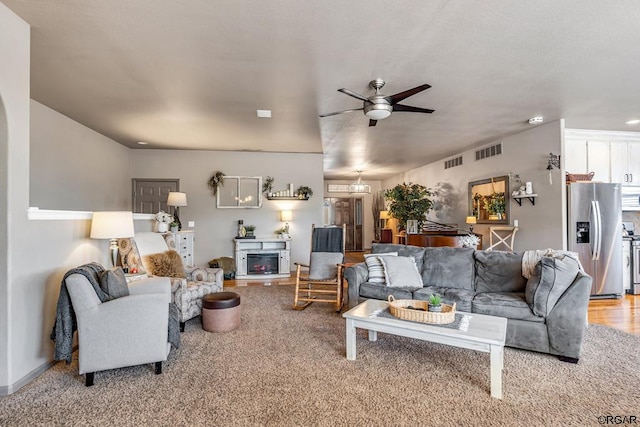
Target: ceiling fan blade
{"points": [[340, 112], [407, 93], [372, 122], [410, 109], [355, 95]]}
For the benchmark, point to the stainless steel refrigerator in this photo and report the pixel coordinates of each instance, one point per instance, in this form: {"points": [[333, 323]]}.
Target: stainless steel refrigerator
{"points": [[595, 233]]}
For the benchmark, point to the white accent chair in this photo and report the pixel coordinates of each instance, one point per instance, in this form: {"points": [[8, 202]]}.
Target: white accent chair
{"points": [[185, 293], [127, 331]]}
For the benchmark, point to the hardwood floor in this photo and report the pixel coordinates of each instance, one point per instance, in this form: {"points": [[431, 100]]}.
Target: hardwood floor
{"points": [[617, 313]]}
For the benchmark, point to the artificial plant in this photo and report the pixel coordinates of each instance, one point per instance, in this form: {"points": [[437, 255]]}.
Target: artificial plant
{"points": [[409, 201]]}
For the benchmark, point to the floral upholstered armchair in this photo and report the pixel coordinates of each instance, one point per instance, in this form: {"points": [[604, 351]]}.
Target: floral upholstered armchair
{"points": [[188, 286]]}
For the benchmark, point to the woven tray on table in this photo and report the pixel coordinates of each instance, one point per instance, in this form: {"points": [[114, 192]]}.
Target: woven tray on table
{"points": [[575, 177], [400, 309]]}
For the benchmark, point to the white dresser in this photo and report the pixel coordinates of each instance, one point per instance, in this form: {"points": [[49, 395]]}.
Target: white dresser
{"points": [[183, 243]]}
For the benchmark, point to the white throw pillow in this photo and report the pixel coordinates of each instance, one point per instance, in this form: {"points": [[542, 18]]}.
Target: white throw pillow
{"points": [[401, 272], [375, 267]]}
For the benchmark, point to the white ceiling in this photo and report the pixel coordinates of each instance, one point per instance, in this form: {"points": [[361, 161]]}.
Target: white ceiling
{"points": [[191, 75]]}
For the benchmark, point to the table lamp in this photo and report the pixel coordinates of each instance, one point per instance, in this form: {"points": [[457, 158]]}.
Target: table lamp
{"points": [[471, 220], [286, 216], [384, 216], [177, 199], [112, 225]]}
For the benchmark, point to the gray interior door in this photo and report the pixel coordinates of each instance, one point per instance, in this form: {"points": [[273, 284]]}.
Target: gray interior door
{"points": [[150, 195]]}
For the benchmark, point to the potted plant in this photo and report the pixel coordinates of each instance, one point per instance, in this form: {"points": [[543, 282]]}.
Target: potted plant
{"points": [[304, 192], [163, 220], [250, 229], [175, 226], [435, 303], [470, 241], [280, 232], [267, 185], [409, 201], [495, 205]]}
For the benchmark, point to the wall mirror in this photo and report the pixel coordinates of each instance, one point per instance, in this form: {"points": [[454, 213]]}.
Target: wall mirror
{"points": [[488, 200], [240, 192]]}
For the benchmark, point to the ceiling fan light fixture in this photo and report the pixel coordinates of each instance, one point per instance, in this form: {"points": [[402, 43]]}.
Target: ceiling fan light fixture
{"points": [[378, 111]]}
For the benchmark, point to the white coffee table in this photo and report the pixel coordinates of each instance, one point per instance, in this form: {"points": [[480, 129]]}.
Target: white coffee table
{"points": [[477, 332]]}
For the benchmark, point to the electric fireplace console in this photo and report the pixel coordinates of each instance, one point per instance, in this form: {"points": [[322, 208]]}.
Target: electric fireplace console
{"points": [[262, 258]]}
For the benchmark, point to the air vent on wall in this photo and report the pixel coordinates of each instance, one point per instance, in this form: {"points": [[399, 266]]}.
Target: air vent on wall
{"points": [[493, 150], [452, 163]]}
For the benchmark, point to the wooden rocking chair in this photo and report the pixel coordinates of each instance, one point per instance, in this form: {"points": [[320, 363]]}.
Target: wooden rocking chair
{"points": [[321, 280]]}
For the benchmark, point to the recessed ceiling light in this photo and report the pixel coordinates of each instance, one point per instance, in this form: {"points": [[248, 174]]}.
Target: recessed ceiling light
{"points": [[142, 143], [264, 113], [633, 122], [536, 120]]}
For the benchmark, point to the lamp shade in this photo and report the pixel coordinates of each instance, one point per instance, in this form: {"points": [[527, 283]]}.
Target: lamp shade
{"points": [[286, 215], [112, 224], [384, 214], [471, 220], [177, 199]]}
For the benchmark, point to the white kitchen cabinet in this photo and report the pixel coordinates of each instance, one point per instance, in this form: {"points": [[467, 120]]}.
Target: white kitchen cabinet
{"points": [[583, 156], [598, 160], [575, 156], [625, 162]]}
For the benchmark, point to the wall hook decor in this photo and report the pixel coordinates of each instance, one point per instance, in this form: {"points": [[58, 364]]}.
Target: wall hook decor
{"points": [[552, 162]]}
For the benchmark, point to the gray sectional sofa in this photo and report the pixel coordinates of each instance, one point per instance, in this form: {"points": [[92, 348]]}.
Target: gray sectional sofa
{"points": [[546, 313]]}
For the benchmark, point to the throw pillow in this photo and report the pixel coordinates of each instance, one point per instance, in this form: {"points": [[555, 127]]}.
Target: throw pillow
{"points": [[114, 283], [324, 265], [401, 272], [499, 271], [551, 278], [375, 267], [166, 264]]}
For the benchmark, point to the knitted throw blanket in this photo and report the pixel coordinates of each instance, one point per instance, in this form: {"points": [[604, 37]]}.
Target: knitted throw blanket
{"points": [[531, 258], [65, 324]]}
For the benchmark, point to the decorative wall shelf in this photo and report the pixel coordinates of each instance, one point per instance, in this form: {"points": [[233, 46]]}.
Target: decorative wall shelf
{"points": [[531, 197], [286, 198]]}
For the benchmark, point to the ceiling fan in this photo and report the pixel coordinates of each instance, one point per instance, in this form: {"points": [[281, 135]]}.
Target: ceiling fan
{"points": [[379, 106]]}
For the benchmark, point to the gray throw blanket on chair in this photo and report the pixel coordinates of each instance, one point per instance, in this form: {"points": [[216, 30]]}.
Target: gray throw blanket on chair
{"points": [[65, 324], [326, 239]]}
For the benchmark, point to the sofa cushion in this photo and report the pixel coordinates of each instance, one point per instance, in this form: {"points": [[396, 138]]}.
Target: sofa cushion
{"points": [[461, 297], [401, 272], [114, 283], [403, 250], [375, 267], [511, 305], [382, 292], [499, 271], [448, 267], [551, 278]]}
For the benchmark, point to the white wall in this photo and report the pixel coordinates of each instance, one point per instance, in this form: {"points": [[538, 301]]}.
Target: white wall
{"points": [[526, 153], [75, 168], [215, 228], [34, 254]]}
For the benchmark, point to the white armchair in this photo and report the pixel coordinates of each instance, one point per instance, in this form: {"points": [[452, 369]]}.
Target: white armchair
{"points": [[185, 293], [127, 331]]}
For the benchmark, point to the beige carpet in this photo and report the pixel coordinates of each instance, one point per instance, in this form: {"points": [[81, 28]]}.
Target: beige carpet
{"points": [[284, 367]]}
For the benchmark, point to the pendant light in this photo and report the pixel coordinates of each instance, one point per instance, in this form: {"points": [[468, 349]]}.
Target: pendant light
{"points": [[359, 187]]}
